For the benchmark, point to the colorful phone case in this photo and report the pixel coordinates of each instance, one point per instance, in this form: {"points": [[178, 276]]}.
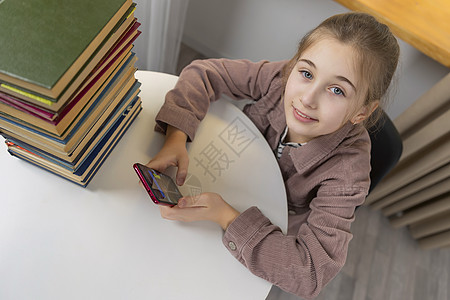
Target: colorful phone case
{"points": [[160, 187]]}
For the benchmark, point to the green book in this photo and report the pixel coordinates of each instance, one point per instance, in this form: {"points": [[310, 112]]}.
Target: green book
{"points": [[45, 43]]}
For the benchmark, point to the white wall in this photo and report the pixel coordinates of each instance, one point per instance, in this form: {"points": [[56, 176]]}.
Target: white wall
{"points": [[271, 29]]}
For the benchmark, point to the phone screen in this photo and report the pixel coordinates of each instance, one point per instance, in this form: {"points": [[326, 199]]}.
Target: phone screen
{"points": [[160, 186]]}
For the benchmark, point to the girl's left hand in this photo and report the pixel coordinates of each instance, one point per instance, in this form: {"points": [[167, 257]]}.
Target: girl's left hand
{"points": [[206, 206]]}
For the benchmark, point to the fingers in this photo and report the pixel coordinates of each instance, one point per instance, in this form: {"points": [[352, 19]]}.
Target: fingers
{"points": [[158, 164], [183, 164], [188, 209], [193, 201], [166, 212], [206, 206], [169, 157], [182, 214]]}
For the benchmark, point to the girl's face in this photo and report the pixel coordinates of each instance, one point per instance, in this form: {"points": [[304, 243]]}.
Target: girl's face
{"points": [[323, 92]]}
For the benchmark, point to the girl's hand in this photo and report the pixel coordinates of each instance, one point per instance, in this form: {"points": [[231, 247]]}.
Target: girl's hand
{"points": [[173, 153], [206, 206]]}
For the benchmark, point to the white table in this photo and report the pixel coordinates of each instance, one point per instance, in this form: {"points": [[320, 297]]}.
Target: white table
{"points": [[108, 241]]}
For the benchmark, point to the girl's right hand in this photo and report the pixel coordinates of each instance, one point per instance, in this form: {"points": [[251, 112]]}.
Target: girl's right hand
{"points": [[173, 153]]}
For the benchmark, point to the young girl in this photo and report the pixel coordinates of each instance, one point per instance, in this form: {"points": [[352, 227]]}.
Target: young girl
{"points": [[311, 111]]}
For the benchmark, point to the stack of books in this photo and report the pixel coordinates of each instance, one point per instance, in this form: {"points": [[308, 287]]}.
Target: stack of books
{"points": [[67, 86]]}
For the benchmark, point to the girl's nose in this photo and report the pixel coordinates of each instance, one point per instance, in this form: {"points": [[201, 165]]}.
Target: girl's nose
{"points": [[309, 98]]}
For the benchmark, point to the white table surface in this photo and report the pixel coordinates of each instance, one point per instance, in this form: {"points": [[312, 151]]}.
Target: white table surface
{"points": [[108, 241]]}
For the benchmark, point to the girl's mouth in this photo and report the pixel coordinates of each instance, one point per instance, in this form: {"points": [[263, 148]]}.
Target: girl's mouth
{"points": [[302, 117]]}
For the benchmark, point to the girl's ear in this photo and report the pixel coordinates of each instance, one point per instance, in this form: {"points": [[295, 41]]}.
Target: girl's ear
{"points": [[365, 112]]}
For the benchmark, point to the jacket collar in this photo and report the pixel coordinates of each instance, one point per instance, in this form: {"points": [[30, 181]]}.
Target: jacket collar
{"points": [[277, 120], [317, 149]]}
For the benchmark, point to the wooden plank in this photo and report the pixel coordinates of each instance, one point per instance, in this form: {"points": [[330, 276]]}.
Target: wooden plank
{"points": [[421, 213], [434, 130], [401, 268], [434, 101], [417, 198], [431, 226], [385, 248], [421, 23], [412, 170], [414, 187], [435, 241]]}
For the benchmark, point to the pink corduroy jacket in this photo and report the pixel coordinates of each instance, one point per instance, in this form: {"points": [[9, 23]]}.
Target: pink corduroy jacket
{"points": [[325, 179]]}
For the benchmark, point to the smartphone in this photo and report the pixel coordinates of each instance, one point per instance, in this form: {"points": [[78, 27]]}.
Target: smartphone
{"points": [[161, 188]]}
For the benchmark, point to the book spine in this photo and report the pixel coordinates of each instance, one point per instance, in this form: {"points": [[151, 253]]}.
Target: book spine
{"points": [[26, 94]]}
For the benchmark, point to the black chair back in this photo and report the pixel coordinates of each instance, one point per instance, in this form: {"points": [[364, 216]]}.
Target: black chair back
{"points": [[386, 149]]}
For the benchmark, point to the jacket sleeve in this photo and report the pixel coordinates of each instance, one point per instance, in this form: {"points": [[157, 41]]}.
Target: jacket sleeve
{"points": [[204, 81], [301, 263]]}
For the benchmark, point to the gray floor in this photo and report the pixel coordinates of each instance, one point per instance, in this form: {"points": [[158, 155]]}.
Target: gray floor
{"points": [[383, 263]]}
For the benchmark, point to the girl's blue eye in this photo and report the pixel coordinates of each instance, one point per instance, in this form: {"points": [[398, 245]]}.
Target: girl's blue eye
{"points": [[306, 74], [337, 91]]}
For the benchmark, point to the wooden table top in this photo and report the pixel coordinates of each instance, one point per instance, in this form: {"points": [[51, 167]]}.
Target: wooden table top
{"points": [[424, 24]]}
